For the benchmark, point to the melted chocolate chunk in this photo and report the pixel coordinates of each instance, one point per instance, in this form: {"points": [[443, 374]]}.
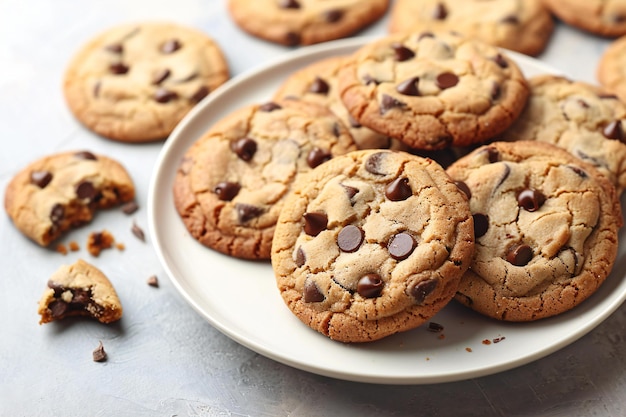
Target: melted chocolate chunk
{"points": [[387, 103], [401, 246], [226, 191], [614, 130], [334, 15], [312, 293], [519, 254], [447, 80], [116, 48], [401, 52], [440, 12], [171, 46], [579, 171], [464, 188], [317, 157], [160, 76], [530, 199], [510, 19], [374, 164], [409, 87], [164, 96], [86, 155], [370, 286], [300, 257], [56, 214], [501, 61], [350, 191], [398, 190], [40, 178], [350, 238], [58, 308], [493, 155], [80, 298], [504, 176], [481, 224], [319, 86], [245, 148], [118, 68], [423, 290], [292, 38], [200, 93], [247, 212], [289, 4], [269, 107], [86, 191], [314, 223]]}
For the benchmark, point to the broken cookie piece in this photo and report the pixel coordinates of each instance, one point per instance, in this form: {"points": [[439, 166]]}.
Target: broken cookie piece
{"points": [[79, 289]]}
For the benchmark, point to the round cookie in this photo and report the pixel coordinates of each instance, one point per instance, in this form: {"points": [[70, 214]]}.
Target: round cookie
{"points": [[433, 91], [611, 69], [135, 82], [371, 243], [231, 184], [63, 191], [600, 17], [546, 228], [582, 118], [305, 22], [521, 25], [318, 83]]}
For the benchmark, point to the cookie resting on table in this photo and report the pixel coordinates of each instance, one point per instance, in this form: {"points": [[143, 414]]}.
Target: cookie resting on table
{"points": [[135, 82], [62, 191], [433, 90], [546, 227], [600, 17], [231, 184], [371, 243], [611, 69]]}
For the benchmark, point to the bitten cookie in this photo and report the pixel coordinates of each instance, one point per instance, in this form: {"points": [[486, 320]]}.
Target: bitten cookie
{"points": [[135, 82], [611, 69], [305, 22], [545, 225], [63, 191], [370, 244], [231, 184], [585, 120], [600, 17], [79, 289], [433, 91], [521, 25], [318, 83]]}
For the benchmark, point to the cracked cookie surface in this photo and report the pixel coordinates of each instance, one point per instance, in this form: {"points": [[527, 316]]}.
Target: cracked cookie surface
{"points": [[546, 227], [433, 91], [305, 22], [582, 118], [231, 184], [59, 192], [521, 25], [370, 244], [135, 82], [601, 17]]}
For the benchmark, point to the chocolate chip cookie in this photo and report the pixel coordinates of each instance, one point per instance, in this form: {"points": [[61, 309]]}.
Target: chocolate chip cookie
{"points": [[79, 289], [521, 25], [305, 22], [231, 184], [600, 17], [582, 118], [135, 82], [611, 69], [371, 243], [545, 225], [433, 90], [62, 191]]}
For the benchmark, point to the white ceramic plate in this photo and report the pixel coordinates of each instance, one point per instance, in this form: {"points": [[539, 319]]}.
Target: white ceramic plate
{"points": [[240, 298]]}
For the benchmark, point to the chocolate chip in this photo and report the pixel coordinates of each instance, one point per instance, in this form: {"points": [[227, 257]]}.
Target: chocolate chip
{"points": [[582, 103], [96, 89], [504, 176], [292, 38], [510, 19], [423, 290], [40, 178], [319, 86], [481, 224], [269, 107], [86, 155], [245, 148], [387, 103], [58, 289], [80, 298], [350, 238], [401, 246], [160, 76], [608, 96], [317, 157], [200, 93], [312, 293], [58, 308], [118, 68], [353, 122], [447, 80], [130, 207], [170, 46], [493, 155], [164, 96], [247, 212], [289, 4], [440, 12], [614, 130], [336, 130], [398, 190], [56, 214], [374, 164], [425, 35], [226, 191], [464, 188], [116, 48], [99, 355], [434, 327], [138, 232], [314, 223], [501, 61], [409, 87], [530, 199], [368, 79], [370, 286], [401, 52], [300, 257], [153, 281], [86, 191], [519, 254], [350, 191], [495, 91], [332, 16]]}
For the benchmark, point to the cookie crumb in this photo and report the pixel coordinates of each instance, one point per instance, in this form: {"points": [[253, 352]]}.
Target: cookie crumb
{"points": [[120, 246], [486, 342], [99, 355], [469, 349], [153, 281], [130, 207], [434, 327], [441, 336], [74, 247], [138, 232], [499, 339], [61, 249], [97, 241]]}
